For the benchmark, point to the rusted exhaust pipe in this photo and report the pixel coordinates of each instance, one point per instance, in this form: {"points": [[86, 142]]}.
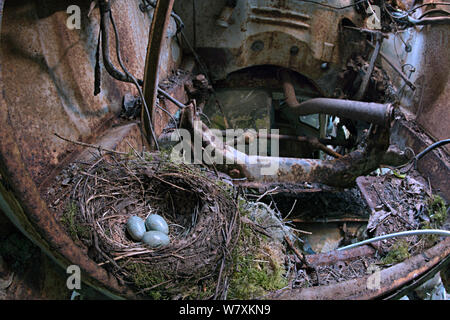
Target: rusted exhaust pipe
{"points": [[376, 113]]}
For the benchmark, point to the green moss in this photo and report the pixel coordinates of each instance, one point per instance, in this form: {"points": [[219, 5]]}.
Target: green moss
{"points": [[69, 220], [437, 211], [131, 154], [397, 253], [145, 279], [148, 156], [141, 277], [218, 122], [255, 272]]}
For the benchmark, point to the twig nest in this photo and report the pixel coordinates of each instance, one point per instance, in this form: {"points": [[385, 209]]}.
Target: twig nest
{"points": [[155, 222], [155, 239], [203, 216], [136, 227]]}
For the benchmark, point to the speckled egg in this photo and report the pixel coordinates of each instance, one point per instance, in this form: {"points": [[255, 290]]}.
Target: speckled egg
{"points": [[155, 222], [155, 239], [136, 227]]}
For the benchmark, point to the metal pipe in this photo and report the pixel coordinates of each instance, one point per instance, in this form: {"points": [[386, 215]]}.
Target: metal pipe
{"points": [[408, 233], [312, 141], [380, 114], [341, 172], [427, 21]]}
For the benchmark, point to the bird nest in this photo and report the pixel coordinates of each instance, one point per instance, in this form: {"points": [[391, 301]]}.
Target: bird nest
{"points": [[201, 213]]}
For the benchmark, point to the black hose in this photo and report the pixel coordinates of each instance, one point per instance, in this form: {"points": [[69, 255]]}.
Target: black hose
{"points": [[426, 13], [428, 149], [427, 21], [105, 9]]}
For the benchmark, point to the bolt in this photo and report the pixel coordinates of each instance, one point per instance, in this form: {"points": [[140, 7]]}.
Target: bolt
{"points": [[294, 50], [258, 45]]}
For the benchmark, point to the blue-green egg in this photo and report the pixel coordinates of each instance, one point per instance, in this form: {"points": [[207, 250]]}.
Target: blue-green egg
{"points": [[136, 227], [155, 239], [155, 222]]}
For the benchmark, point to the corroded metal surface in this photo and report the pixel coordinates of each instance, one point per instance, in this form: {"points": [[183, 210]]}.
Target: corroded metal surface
{"points": [[157, 33], [335, 256], [371, 112], [48, 76], [340, 172], [291, 34], [47, 83], [434, 104], [391, 279], [435, 165], [427, 66]]}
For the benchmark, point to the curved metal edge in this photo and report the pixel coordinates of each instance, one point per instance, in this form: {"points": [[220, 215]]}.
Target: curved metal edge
{"points": [[161, 18], [22, 203], [391, 279], [417, 282]]}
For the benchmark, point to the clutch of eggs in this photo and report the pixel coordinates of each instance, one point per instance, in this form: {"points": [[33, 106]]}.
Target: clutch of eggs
{"points": [[153, 231]]}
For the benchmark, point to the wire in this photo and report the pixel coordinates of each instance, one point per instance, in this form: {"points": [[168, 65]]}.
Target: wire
{"points": [[434, 11], [429, 4], [443, 233], [427, 21], [133, 79], [169, 97], [428, 149], [405, 18]]}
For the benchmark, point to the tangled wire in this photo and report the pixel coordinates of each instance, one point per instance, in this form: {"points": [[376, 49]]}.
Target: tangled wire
{"points": [[202, 215]]}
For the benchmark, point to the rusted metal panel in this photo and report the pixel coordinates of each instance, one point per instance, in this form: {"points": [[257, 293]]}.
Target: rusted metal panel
{"points": [[291, 34], [47, 79], [434, 104], [119, 139], [422, 54], [435, 165], [48, 73]]}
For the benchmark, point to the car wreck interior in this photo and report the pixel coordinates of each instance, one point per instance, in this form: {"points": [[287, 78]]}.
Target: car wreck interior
{"points": [[224, 150]]}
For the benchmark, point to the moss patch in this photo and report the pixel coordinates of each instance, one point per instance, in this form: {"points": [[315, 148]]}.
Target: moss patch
{"points": [[69, 220], [257, 269], [398, 253], [437, 213]]}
